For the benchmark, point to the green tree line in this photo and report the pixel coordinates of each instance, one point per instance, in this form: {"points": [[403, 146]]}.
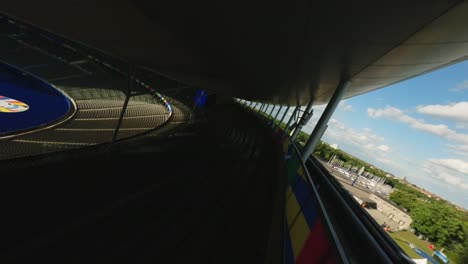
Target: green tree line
{"points": [[437, 220]]}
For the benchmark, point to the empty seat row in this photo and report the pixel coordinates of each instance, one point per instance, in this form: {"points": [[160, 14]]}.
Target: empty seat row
{"points": [[132, 110], [149, 122]]}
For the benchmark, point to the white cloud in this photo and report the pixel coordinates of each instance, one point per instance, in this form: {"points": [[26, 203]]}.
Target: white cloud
{"points": [[373, 148], [461, 86], [456, 112], [451, 171], [365, 138], [461, 125], [453, 164], [461, 150], [365, 142], [439, 130], [387, 161], [384, 148], [343, 105]]}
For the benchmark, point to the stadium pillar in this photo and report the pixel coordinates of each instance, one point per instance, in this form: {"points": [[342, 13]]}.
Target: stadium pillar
{"points": [[303, 120], [292, 117], [271, 112], [284, 115], [266, 108], [323, 121], [260, 109], [276, 116], [127, 98]]}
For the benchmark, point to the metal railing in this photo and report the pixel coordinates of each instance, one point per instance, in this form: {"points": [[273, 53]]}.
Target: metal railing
{"points": [[351, 232]]}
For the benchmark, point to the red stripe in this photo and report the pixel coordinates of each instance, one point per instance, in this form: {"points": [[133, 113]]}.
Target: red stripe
{"points": [[316, 248]]}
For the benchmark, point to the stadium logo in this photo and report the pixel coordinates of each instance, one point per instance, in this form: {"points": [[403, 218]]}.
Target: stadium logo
{"points": [[8, 105]]}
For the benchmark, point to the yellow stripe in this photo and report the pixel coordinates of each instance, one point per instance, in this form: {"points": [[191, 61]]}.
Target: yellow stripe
{"points": [[292, 206], [299, 233]]}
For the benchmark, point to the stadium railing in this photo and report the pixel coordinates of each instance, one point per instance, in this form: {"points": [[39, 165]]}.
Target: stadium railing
{"points": [[322, 223]]}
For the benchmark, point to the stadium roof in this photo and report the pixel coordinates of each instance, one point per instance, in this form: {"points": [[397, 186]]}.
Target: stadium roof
{"points": [[284, 52]]}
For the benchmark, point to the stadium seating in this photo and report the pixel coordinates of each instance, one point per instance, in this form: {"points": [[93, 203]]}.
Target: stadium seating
{"points": [[97, 87]]}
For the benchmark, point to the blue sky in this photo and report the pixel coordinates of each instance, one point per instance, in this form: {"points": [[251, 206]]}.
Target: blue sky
{"points": [[416, 129]]}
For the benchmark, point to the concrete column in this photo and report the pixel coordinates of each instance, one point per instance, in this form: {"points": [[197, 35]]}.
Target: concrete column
{"points": [[324, 118]]}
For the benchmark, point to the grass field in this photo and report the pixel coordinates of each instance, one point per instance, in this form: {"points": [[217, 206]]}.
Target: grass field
{"points": [[403, 238], [406, 248]]}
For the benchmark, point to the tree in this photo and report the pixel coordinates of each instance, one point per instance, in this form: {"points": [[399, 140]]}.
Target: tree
{"points": [[439, 223]]}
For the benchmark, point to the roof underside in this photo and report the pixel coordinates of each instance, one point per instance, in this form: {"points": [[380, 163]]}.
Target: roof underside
{"points": [[280, 53]]}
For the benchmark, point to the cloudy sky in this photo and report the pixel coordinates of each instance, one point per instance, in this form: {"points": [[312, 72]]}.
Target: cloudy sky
{"points": [[416, 129]]}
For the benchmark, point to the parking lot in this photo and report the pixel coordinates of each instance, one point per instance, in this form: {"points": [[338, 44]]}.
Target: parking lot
{"points": [[363, 193]]}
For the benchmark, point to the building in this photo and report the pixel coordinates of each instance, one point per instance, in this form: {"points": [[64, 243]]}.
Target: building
{"points": [[361, 170], [393, 212], [366, 202]]}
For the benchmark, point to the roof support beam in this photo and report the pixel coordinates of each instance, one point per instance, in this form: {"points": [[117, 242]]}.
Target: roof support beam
{"points": [[260, 109], [286, 128], [128, 94], [324, 118], [284, 115], [305, 117], [276, 115], [271, 112]]}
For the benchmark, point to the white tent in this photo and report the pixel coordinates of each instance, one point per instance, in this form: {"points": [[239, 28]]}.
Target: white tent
{"points": [[420, 261]]}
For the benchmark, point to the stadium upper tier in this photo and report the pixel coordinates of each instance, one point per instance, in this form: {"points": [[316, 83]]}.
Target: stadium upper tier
{"points": [[98, 95], [285, 52]]}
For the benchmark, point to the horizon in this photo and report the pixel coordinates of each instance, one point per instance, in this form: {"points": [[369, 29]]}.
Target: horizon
{"points": [[417, 128], [396, 176]]}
